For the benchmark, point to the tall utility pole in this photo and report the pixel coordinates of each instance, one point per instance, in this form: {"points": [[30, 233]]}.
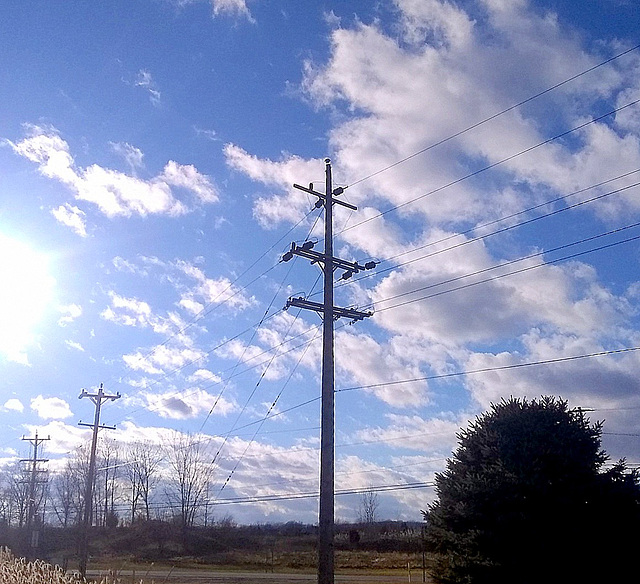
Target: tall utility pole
{"points": [[329, 313], [33, 482], [97, 399]]}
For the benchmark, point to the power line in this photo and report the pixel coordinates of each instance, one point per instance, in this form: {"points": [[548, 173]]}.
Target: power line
{"points": [[393, 469], [254, 333], [298, 496], [492, 369], [501, 265], [494, 116], [475, 125], [497, 231], [254, 327], [511, 262], [210, 307], [556, 260], [450, 290], [504, 264], [264, 372], [205, 310], [491, 166], [264, 419]]}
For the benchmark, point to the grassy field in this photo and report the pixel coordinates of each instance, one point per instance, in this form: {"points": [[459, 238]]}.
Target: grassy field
{"points": [[282, 562], [349, 569], [260, 549]]}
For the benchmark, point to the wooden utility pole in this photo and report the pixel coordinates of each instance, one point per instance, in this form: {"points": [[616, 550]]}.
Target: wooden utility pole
{"points": [[97, 399], [327, 423], [33, 482], [329, 313]]}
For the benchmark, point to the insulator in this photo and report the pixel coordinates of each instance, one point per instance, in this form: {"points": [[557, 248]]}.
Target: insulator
{"points": [[287, 256], [370, 265]]}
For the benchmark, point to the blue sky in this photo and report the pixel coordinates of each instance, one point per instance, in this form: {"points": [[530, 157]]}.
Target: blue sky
{"points": [[146, 169]]}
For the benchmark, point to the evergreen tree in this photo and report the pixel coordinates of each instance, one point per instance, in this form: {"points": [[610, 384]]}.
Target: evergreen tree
{"points": [[525, 499]]}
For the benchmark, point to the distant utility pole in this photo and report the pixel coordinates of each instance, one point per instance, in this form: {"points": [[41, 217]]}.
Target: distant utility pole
{"points": [[33, 483], [329, 313], [97, 399]]}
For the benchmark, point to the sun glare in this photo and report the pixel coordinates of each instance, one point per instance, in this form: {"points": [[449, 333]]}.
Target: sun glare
{"points": [[25, 291]]}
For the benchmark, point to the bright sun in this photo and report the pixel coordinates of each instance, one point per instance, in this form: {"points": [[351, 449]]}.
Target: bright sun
{"points": [[25, 291]]}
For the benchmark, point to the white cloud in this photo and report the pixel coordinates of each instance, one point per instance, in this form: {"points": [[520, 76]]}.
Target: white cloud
{"points": [[370, 363], [232, 7], [209, 134], [70, 312], [187, 177], [71, 216], [196, 292], [64, 437], [592, 382], [51, 408], [129, 432], [116, 193], [163, 358], [132, 156], [434, 298], [444, 67], [74, 345], [332, 19], [435, 435], [236, 8], [447, 77], [187, 404], [271, 210], [13, 404], [204, 375], [138, 313], [280, 344], [145, 80], [210, 291], [127, 311], [113, 192]]}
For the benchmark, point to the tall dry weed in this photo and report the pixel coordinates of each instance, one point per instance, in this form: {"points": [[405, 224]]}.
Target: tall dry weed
{"points": [[19, 571]]}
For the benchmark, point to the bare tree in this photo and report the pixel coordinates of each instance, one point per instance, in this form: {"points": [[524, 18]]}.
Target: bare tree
{"points": [[5, 497], [189, 477], [68, 488], [19, 489], [369, 503], [63, 495], [14, 492], [109, 472], [142, 473]]}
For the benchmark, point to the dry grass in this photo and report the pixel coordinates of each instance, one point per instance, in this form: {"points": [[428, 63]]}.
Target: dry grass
{"points": [[19, 571]]}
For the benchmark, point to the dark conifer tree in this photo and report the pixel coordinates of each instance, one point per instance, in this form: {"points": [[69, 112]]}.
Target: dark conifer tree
{"points": [[525, 499]]}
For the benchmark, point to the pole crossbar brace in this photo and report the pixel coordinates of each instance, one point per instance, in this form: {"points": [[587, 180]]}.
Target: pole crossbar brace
{"points": [[338, 312], [322, 197], [100, 427], [305, 250]]}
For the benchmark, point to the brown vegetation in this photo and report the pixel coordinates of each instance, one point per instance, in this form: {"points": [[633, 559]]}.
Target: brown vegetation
{"points": [[286, 547]]}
